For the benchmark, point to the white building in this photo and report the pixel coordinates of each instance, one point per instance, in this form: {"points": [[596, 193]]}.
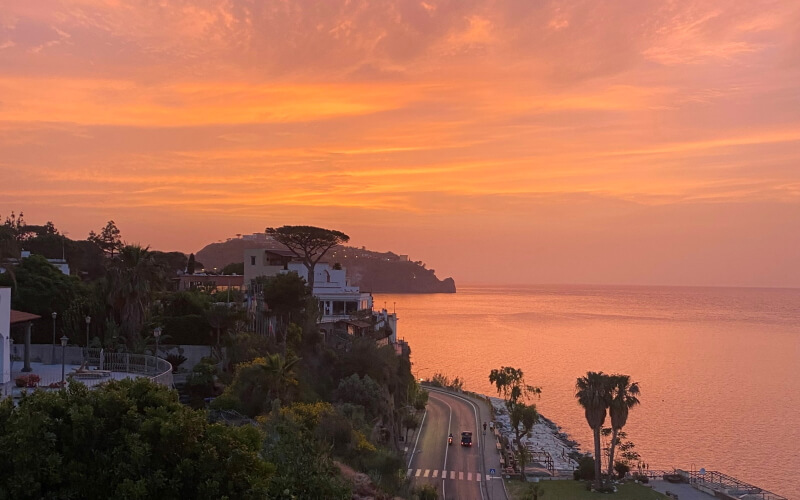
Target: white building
{"points": [[61, 264], [5, 335], [339, 301]]}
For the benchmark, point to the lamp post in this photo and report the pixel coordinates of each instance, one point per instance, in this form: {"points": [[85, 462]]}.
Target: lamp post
{"points": [[53, 354], [64, 340], [156, 334], [86, 355]]}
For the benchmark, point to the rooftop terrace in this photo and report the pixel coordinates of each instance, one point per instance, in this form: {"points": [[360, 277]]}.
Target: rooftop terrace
{"points": [[92, 367]]}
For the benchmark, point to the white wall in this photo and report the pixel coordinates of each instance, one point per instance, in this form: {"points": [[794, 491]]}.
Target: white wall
{"points": [[5, 334]]}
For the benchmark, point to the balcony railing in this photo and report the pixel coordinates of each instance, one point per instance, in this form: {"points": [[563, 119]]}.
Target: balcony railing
{"points": [[97, 365]]}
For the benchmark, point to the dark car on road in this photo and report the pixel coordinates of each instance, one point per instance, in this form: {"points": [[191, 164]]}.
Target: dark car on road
{"points": [[466, 439]]}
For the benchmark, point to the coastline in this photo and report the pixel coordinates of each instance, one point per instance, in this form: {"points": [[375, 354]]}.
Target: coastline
{"points": [[545, 436]]}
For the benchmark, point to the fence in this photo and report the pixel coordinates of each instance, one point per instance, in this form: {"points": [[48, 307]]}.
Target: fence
{"points": [[98, 364], [732, 487], [157, 369]]}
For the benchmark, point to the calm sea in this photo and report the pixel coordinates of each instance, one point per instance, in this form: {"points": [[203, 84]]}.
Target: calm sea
{"points": [[719, 368]]}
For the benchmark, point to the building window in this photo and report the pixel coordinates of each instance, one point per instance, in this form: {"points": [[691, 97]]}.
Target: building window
{"points": [[252, 260], [338, 307]]}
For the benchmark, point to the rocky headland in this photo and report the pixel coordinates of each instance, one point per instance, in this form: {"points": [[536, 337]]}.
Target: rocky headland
{"points": [[377, 272]]}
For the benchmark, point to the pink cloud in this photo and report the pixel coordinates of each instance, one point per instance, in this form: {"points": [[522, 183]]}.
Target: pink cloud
{"points": [[568, 120]]}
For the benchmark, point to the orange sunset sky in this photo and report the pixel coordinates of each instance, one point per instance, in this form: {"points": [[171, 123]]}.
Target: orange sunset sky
{"points": [[520, 141]]}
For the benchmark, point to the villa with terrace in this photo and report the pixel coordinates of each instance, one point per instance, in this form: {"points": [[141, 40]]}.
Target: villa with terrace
{"points": [[26, 366], [345, 311]]}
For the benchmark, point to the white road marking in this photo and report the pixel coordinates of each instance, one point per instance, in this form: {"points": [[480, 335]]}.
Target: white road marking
{"points": [[452, 474], [478, 477], [469, 476], [408, 472], [460, 476], [435, 473], [419, 471], [427, 473], [477, 425], [421, 425]]}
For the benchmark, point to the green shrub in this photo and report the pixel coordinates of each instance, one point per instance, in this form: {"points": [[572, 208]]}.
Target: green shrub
{"points": [[383, 465], [425, 492], [621, 468], [200, 382], [336, 430], [585, 469]]}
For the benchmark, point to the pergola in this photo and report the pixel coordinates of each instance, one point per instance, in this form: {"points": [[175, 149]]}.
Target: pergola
{"points": [[26, 321]]}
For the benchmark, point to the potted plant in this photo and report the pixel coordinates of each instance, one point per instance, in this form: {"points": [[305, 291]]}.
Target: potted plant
{"points": [[29, 380]]}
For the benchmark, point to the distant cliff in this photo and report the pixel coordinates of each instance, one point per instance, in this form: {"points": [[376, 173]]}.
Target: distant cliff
{"points": [[388, 272], [372, 271]]}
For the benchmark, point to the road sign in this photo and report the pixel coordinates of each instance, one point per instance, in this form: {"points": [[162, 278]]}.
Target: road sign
{"points": [[492, 471]]}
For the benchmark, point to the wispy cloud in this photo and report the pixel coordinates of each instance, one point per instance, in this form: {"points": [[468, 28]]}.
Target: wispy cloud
{"points": [[445, 113]]}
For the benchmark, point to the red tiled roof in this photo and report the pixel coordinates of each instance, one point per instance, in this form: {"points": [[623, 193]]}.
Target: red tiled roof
{"points": [[22, 317]]}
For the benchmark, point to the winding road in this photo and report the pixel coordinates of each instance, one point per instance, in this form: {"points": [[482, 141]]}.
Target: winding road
{"points": [[457, 472]]}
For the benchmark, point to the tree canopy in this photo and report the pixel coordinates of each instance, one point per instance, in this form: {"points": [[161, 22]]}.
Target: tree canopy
{"points": [[132, 279], [233, 268], [593, 393], [511, 385], [109, 239], [525, 416], [130, 439], [624, 397], [41, 288], [286, 295], [309, 243]]}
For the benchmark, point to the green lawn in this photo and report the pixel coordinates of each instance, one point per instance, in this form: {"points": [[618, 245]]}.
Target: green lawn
{"points": [[576, 490]]}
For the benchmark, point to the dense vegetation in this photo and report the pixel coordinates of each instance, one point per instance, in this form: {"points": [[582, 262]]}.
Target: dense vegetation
{"points": [[130, 439], [310, 410]]}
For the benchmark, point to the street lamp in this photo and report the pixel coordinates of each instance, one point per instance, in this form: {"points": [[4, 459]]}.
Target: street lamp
{"points": [[53, 355], [156, 334], [64, 340]]}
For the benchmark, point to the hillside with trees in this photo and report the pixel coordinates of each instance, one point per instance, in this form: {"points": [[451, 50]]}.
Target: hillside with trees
{"points": [[378, 272], [311, 408]]}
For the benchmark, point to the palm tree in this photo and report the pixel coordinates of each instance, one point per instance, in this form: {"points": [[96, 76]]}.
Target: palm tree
{"points": [[220, 317], [279, 374], [593, 394], [623, 399], [133, 276]]}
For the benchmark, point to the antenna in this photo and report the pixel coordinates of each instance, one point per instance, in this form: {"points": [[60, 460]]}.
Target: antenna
{"points": [[63, 238]]}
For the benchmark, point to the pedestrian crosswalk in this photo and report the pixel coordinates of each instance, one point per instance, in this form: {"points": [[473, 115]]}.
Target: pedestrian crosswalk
{"points": [[444, 474]]}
